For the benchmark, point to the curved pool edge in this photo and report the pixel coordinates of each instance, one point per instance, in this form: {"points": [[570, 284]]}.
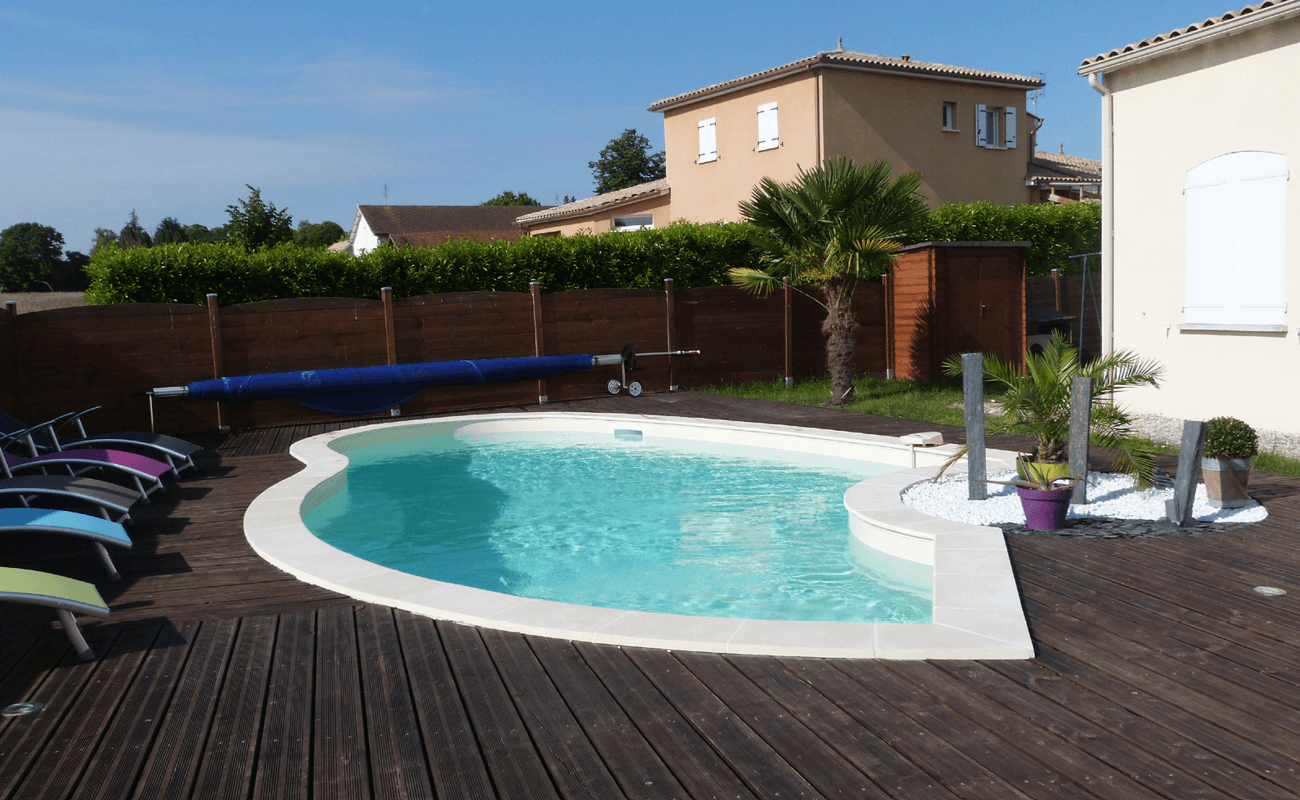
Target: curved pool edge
{"points": [[977, 608]]}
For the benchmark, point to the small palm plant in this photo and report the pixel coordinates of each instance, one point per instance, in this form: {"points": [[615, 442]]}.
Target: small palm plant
{"points": [[1036, 402]]}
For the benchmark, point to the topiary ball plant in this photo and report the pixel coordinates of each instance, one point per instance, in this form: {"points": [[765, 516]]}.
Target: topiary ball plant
{"points": [[1228, 437]]}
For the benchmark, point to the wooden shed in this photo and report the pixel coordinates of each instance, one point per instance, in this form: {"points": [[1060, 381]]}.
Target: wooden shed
{"points": [[946, 298]]}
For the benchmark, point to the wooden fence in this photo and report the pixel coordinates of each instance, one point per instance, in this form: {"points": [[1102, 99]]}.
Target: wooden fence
{"points": [[69, 359]]}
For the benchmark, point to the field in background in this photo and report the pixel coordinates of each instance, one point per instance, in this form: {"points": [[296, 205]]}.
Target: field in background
{"points": [[44, 301]]}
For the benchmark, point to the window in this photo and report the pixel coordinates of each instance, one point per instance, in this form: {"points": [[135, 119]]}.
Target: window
{"points": [[708, 140], [639, 222], [995, 127], [949, 116], [1236, 235], [767, 133]]}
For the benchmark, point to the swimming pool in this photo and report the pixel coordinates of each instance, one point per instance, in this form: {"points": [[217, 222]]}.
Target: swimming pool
{"points": [[657, 524], [976, 610]]}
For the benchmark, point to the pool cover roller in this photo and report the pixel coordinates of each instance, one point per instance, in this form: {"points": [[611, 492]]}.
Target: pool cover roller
{"points": [[365, 390]]}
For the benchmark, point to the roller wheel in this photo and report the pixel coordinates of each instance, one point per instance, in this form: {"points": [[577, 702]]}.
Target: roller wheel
{"points": [[634, 389], [614, 387]]}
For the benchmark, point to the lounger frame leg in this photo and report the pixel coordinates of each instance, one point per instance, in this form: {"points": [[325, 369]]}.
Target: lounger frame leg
{"points": [[108, 562], [74, 635]]}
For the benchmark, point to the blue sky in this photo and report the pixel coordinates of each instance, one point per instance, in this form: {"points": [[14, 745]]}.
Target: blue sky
{"points": [[171, 108]]}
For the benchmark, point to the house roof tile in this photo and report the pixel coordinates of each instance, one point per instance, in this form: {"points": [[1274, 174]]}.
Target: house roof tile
{"points": [[392, 220], [642, 191], [1198, 27], [1047, 167], [851, 60]]}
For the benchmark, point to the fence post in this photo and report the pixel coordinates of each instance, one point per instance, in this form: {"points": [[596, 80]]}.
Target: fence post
{"points": [[390, 337], [1056, 284], [670, 300], [11, 309], [887, 282], [539, 346], [789, 332], [218, 368]]}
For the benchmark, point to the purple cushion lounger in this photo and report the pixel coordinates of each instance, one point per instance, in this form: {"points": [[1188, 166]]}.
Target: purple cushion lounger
{"points": [[141, 470], [45, 438], [69, 523], [63, 594]]}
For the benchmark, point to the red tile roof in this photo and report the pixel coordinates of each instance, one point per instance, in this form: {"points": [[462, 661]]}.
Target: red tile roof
{"points": [[850, 60], [1198, 27]]}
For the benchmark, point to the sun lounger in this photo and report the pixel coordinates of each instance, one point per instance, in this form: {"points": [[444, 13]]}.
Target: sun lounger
{"points": [[66, 595], [144, 472], [68, 523], [112, 501], [46, 438]]}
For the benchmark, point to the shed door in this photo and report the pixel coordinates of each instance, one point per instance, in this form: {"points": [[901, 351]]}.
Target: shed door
{"points": [[984, 303]]}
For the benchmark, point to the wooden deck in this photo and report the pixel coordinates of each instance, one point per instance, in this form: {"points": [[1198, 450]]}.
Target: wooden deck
{"points": [[1160, 674]]}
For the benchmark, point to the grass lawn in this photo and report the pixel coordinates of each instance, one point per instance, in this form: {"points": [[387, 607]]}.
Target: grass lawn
{"points": [[939, 402], [44, 301]]}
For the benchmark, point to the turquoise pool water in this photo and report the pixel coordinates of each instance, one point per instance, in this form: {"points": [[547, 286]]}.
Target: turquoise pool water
{"points": [[620, 522]]}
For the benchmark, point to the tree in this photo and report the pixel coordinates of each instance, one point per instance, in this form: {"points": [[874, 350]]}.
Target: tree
{"points": [[833, 226], [511, 199], [200, 233], [169, 231], [133, 234], [255, 224], [103, 236], [626, 161], [29, 252], [321, 234]]}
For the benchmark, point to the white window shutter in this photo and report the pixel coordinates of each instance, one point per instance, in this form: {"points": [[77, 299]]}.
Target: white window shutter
{"points": [[1009, 141], [981, 132], [708, 140], [1236, 232], [767, 127]]}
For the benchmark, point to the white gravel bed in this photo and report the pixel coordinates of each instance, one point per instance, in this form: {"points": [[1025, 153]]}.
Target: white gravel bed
{"points": [[1170, 431], [1110, 495]]}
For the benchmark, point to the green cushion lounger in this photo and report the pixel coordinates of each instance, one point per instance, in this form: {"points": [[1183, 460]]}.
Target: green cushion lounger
{"points": [[45, 438], [68, 523], [66, 595]]}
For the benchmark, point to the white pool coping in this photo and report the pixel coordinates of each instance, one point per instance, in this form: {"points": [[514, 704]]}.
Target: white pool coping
{"points": [[977, 608]]}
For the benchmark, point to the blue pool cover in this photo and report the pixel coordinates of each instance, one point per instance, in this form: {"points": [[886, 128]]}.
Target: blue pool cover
{"points": [[364, 390]]}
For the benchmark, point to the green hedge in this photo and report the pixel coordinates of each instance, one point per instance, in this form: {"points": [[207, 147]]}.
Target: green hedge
{"points": [[692, 255], [1055, 232]]}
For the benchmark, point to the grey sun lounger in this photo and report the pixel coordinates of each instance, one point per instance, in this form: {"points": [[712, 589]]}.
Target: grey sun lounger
{"points": [[45, 438], [66, 595], [112, 501], [68, 523]]}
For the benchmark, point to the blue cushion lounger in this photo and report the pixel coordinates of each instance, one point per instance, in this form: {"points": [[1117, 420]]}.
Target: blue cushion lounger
{"points": [[40, 520], [144, 472], [64, 594], [45, 438]]}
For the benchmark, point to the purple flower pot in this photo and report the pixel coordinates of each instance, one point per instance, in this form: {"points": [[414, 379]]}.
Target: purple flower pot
{"points": [[1045, 509]]}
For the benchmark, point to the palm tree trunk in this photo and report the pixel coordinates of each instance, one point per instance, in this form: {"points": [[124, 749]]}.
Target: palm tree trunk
{"points": [[839, 327]]}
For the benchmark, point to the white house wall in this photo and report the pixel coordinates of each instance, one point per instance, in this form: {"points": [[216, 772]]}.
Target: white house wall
{"points": [[1172, 113], [366, 239]]}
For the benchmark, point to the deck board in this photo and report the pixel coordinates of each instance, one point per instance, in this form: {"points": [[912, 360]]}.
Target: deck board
{"points": [[1159, 674]]}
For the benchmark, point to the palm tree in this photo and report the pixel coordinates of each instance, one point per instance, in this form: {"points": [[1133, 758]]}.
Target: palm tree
{"points": [[835, 225]]}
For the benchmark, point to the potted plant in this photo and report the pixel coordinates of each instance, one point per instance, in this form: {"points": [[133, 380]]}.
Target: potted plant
{"points": [[1225, 467], [1036, 402], [1046, 501]]}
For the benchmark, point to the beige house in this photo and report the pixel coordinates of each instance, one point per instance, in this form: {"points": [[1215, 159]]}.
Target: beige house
{"points": [[965, 130], [1200, 220]]}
